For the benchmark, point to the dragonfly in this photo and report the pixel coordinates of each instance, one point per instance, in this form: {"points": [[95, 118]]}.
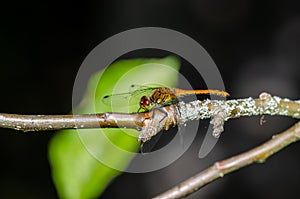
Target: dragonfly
{"points": [[150, 97]]}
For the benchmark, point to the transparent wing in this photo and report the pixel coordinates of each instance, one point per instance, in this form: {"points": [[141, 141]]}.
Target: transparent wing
{"points": [[137, 88], [129, 98], [119, 99]]}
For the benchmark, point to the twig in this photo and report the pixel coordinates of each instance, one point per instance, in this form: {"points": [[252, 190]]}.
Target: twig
{"points": [[164, 117], [221, 168], [58, 122]]}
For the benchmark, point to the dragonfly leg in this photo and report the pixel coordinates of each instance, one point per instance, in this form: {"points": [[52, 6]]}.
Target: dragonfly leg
{"points": [[139, 110]]}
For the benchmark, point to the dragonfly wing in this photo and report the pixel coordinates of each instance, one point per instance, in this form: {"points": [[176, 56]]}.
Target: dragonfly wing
{"points": [[120, 99], [135, 87], [138, 91], [129, 98]]}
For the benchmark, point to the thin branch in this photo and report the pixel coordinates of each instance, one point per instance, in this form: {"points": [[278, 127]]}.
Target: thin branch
{"points": [[221, 168], [58, 122], [159, 118]]}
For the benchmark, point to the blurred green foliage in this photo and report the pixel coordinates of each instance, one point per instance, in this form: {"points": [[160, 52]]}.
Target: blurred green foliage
{"points": [[83, 162]]}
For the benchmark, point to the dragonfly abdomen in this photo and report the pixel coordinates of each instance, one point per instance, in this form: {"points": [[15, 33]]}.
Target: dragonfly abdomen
{"points": [[181, 92]]}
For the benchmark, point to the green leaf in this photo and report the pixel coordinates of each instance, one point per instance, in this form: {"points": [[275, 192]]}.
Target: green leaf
{"points": [[83, 162]]}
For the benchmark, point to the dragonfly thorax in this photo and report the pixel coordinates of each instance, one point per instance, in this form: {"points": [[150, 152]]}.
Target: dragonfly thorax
{"points": [[160, 96]]}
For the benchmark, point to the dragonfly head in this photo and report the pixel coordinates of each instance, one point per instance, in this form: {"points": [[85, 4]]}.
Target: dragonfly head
{"points": [[145, 103]]}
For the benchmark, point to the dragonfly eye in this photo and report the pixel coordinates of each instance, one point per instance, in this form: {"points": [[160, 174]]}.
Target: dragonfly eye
{"points": [[145, 102]]}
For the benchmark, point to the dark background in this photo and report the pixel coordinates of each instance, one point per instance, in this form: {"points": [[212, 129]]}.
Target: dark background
{"points": [[255, 44]]}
